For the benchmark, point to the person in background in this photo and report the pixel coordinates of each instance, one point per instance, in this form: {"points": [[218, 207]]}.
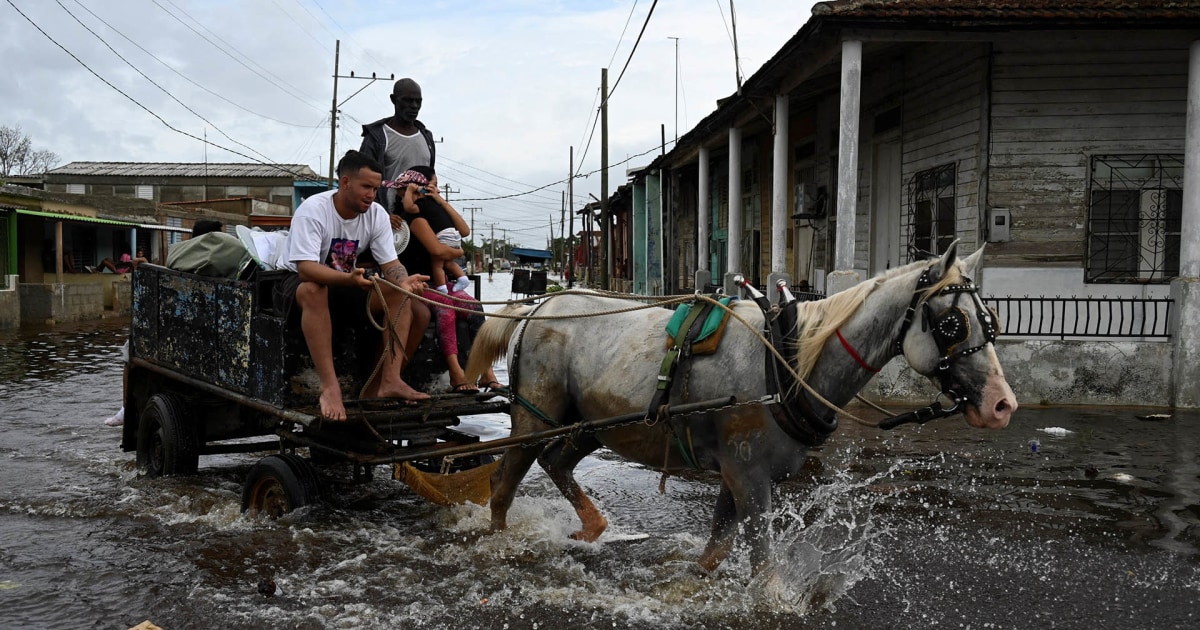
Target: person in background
{"points": [[205, 226], [400, 141], [124, 264]]}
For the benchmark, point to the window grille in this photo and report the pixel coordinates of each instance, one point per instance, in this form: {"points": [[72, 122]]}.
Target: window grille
{"points": [[931, 215], [1134, 218]]}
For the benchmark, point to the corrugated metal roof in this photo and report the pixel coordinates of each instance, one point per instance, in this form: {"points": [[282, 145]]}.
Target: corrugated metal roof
{"points": [[63, 216], [1009, 10], [185, 169]]}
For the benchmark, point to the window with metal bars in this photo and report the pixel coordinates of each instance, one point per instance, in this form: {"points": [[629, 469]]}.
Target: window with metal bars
{"points": [[931, 212], [1134, 218]]}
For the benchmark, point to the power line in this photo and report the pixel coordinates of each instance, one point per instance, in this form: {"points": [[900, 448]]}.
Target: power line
{"points": [[184, 76], [630, 58], [227, 53], [139, 104], [164, 90], [564, 180], [620, 39], [297, 23]]}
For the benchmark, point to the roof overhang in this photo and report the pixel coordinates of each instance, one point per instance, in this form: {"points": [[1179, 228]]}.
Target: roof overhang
{"points": [[62, 216]]}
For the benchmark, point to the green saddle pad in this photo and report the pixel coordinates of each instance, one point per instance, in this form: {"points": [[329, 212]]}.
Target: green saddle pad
{"points": [[711, 324]]}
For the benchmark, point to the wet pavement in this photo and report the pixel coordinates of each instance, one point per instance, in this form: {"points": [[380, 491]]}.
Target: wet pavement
{"points": [[1070, 518]]}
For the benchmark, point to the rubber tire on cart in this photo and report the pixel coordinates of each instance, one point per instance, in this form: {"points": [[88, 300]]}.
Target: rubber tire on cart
{"points": [[278, 484], [166, 438]]}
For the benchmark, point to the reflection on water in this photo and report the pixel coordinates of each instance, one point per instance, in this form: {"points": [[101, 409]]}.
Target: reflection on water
{"points": [[1070, 518]]}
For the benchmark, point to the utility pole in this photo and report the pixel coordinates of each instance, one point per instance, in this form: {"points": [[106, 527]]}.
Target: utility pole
{"points": [[333, 112], [562, 236], [604, 253], [676, 87], [492, 242], [446, 192], [571, 234], [473, 221]]}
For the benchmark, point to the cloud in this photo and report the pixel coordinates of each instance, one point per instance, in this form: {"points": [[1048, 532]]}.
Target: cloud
{"points": [[509, 85]]}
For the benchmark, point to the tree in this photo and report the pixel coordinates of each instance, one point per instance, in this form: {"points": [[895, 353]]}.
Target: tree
{"points": [[18, 157]]}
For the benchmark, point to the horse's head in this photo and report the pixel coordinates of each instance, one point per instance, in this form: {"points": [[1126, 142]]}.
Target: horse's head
{"points": [[948, 336]]}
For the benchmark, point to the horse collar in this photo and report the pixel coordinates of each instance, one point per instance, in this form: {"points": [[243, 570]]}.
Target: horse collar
{"points": [[791, 409]]}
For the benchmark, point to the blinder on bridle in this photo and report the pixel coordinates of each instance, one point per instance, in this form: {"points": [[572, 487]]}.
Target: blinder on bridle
{"points": [[950, 328]]}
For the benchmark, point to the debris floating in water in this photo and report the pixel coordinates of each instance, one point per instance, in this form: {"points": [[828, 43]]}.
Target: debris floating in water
{"points": [[1059, 431], [1155, 416]]}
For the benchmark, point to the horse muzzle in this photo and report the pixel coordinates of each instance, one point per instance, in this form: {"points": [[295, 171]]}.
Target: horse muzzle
{"points": [[996, 406]]}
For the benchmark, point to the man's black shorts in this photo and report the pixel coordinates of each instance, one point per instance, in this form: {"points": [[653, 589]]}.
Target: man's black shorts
{"points": [[347, 305]]}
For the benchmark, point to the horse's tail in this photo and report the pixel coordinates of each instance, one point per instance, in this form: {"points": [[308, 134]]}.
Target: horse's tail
{"points": [[491, 343]]}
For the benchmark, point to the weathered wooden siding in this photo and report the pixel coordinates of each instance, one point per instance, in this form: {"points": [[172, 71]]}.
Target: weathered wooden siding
{"points": [[943, 123], [1057, 101]]}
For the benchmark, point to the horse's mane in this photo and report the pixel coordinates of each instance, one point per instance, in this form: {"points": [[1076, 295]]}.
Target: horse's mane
{"points": [[817, 321]]}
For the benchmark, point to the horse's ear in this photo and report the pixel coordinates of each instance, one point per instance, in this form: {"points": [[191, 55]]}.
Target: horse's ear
{"points": [[973, 263], [948, 259]]}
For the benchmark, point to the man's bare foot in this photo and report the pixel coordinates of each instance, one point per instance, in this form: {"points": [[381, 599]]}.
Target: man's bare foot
{"points": [[331, 404], [400, 390]]}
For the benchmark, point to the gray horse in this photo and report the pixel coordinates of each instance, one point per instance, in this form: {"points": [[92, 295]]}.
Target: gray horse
{"points": [[572, 369]]}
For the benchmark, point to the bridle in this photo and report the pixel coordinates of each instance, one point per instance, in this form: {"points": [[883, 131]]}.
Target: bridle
{"points": [[950, 330]]}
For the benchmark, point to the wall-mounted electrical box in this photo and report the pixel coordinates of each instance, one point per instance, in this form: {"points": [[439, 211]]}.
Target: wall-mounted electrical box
{"points": [[998, 223], [809, 202]]}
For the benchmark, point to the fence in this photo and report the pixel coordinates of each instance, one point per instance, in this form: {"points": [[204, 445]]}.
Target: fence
{"points": [[1083, 317]]}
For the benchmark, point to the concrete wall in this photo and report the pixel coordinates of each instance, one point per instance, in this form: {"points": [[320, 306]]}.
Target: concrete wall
{"points": [[10, 302], [58, 303], [1056, 372]]}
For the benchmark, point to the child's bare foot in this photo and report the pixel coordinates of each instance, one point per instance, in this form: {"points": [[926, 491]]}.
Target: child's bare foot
{"points": [[331, 404]]}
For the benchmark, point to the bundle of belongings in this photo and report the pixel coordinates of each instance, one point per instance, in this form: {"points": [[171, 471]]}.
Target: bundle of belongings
{"points": [[222, 255]]}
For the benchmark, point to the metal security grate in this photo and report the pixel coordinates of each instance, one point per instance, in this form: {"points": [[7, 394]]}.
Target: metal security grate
{"points": [[1134, 218]]}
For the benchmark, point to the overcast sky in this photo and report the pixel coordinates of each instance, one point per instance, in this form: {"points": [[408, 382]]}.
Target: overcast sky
{"points": [[509, 85]]}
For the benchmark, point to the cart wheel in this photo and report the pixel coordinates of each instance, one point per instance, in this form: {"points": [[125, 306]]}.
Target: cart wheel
{"points": [[166, 439], [278, 484]]}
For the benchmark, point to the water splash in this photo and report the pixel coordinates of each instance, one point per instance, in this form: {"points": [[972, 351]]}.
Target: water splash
{"points": [[822, 542]]}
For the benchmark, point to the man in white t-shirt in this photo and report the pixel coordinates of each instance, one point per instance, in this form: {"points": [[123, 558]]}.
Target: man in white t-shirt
{"points": [[328, 233], [400, 141]]}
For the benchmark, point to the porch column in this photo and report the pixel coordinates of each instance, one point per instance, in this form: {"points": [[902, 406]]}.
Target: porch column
{"points": [[58, 253], [843, 275], [779, 196], [12, 243], [703, 216], [734, 233], [1185, 289]]}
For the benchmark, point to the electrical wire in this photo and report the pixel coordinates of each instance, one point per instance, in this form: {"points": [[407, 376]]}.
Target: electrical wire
{"points": [[282, 167], [184, 76], [630, 58], [228, 54], [152, 82]]}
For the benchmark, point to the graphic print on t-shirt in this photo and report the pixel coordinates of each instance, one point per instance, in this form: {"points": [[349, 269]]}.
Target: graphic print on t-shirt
{"points": [[343, 253]]}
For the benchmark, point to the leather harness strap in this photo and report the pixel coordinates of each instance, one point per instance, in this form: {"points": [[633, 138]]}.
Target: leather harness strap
{"points": [[791, 409], [680, 349]]}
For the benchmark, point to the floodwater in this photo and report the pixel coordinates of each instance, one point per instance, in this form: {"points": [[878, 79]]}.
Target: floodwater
{"points": [[1070, 518]]}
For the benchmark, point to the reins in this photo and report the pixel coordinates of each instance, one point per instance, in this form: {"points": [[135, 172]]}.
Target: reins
{"points": [[950, 329]]}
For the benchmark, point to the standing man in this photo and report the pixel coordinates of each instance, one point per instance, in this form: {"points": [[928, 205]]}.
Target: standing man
{"points": [[400, 141], [329, 231]]}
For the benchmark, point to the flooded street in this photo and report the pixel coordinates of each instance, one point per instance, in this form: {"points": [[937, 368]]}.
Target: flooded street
{"points": [[1069, 518]]}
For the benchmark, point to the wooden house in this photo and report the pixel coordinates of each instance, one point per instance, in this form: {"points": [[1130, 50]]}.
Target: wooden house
{"points": [[1054, 131]]}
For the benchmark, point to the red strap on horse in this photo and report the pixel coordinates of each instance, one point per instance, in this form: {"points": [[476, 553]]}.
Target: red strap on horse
{"points": [[846, 345]]}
